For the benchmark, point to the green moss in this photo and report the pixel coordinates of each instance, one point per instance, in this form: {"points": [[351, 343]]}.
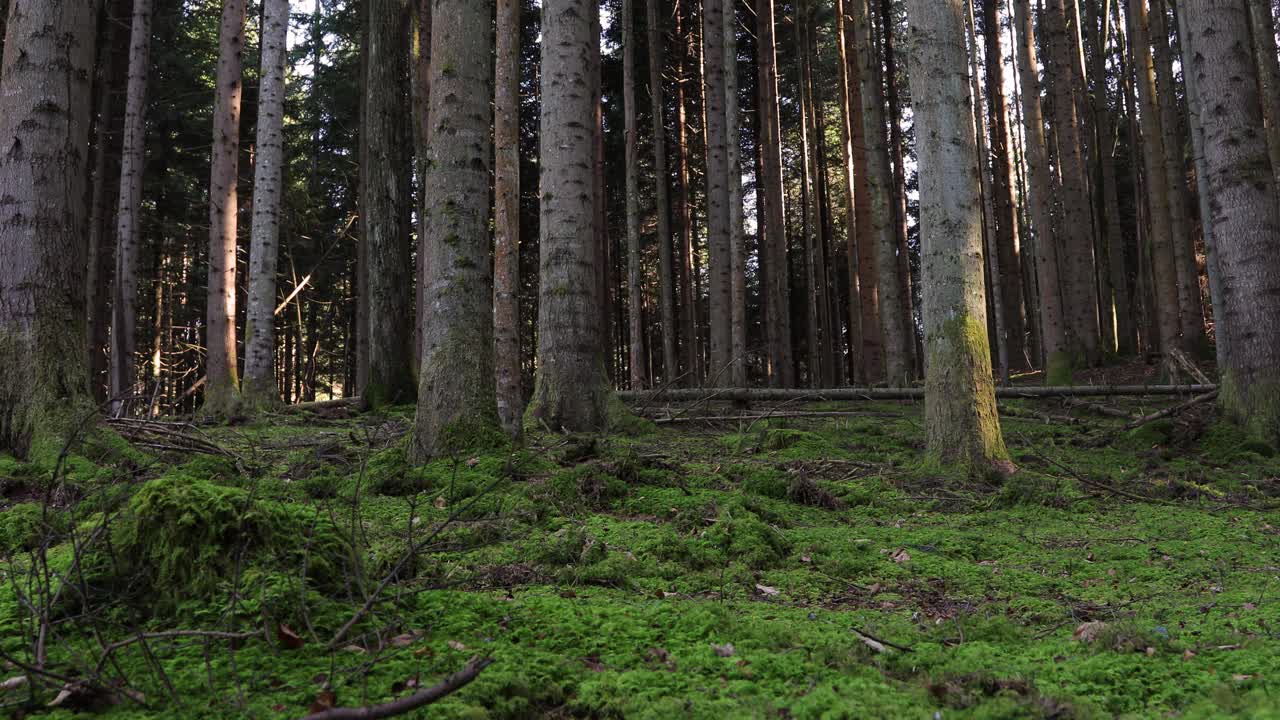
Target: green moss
{"points": [[27, 525], [1254, 404], [1059, 370], [962, 423]]}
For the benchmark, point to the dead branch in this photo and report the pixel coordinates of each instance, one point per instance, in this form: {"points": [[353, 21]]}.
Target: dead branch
{"points": [[849, 394], [1098, 408], [1168, 412], [409, 703]]}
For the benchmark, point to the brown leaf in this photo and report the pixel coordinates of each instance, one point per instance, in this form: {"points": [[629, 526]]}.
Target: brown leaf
{"points": [[472, 462], [456, 645], [288, 637], [441, 503], [766, 590], [725, 650], [325, 699], [405, 639], [1088, 632], [900, 556]]}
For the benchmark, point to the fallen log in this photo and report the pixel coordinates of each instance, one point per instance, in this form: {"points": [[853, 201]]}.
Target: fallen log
{"points": [[913, 393], [1168, 412]]}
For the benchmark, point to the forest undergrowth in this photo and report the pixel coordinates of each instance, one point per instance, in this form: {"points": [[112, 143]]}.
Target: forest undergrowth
{"points": [[805, 567]]}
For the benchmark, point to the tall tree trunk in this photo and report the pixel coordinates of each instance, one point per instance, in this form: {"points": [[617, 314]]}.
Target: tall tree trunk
{"points": [[268, 184], [849, 176], [388, 203], [421, 89], [1076, 242], [773, 250], [688, 298], [362, 249], [811, 224], [457, 406], [719, 259], [1002, 189], [894, 303], [961, 421], [1053, 326], [871, 354], [662, 193], [733, 181], [897, 155], [506, 193], [1190, 308], [1163, 266], [222, 387], [635, 287], [1246, 220], [570, 391], [44, 379], [1264, 44]]}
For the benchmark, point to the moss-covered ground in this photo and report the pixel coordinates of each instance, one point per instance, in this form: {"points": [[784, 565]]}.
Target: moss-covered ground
{"points": [[790, 567]]}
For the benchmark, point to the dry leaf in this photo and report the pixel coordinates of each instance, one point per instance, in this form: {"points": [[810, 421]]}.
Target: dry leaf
{"points": [[725, 650], [325, 699], [1088, 632], [405, 640], [441, 503], [14, 682], [456, 645], [355, 649], [1188, 654], [900, 556], [288, 637], [766, 590]]}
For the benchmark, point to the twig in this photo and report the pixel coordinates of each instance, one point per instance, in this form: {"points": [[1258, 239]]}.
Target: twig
{"points": [[866, 636], [409, 703], [1167, 412]]}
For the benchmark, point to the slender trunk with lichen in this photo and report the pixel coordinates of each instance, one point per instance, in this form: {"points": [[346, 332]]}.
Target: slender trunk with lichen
{"points": [[773, 251], [388, 203], [811, 227], [961, 420], [259, 388], [457, 406], [850, 178], [506, 195], [44, 381], [222, 386], [662, 195], [1245, 221], [887, 78], [893, 301], [1053, 331], [570, 391]]}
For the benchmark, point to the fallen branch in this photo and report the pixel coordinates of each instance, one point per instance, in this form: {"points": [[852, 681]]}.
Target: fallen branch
{"points": [[409, 703], [876, 643], [1098, 408], [843, 394], [1167, 412], [323, 404]]}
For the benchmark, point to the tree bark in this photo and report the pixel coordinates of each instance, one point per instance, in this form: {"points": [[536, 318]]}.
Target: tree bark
{"points": [[1190, 308], [961, 420], [894, 320], [457, 406], [45, 81], [773, 249], [719, 257], [421, 90], [388, 202], [1006, 210], [811, 225], [506, 183], [1245, 221], [1057, 362], [733, 181], [1163, 267], [570, 391], [259, 388], [688, 298], [635, 287], [662, 193], [222, 388], [1264, 45]]}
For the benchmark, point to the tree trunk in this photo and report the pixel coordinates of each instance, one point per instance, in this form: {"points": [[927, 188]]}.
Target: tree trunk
{"points": [[1163, 267], [506, 184], [719, 258], [733, 180], [1190, 308], [773, 250], [362, 249], [811, 225], [268, 184], [688, 298], [457, 407], [898, 341], [1057, 362], [662, 193], [570, 391], [44, 380], [421, 89], [1002, 195], [1264, 45], [635, 288], [961, 420], [388, 202], [871, 354], [850, 178], [1245, 221], [222, 387], [1076, 243]]}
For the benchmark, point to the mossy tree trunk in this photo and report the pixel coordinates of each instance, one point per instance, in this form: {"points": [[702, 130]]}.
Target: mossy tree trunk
{"points": [[45, 87], [260, 389], [1245, 219], [961, 419], [506, 183], [387, 203], [457, 406], [570, 391], [222, 387], [1053, 331]]}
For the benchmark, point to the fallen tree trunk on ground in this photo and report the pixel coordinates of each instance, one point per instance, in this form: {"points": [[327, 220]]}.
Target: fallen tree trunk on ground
{"points": [[848, 394]]}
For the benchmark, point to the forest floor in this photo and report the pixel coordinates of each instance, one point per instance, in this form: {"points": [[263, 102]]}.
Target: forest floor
{"points": [[812, 567]]}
